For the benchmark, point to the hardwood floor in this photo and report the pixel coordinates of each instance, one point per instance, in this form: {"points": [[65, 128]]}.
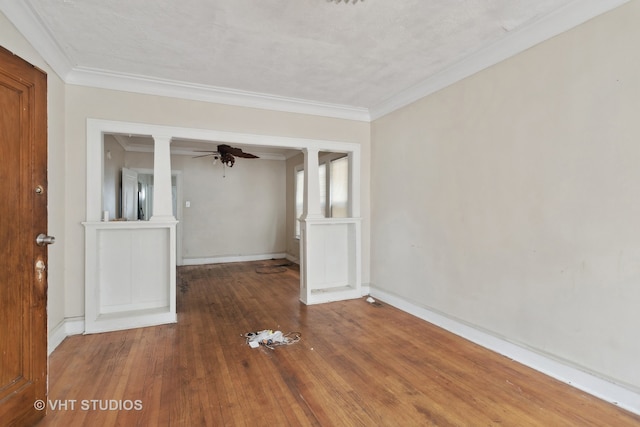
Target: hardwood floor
{"points": [[357, 364]]}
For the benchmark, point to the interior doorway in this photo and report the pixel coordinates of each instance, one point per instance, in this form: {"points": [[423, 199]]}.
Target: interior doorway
{"points": [[319, 262]]}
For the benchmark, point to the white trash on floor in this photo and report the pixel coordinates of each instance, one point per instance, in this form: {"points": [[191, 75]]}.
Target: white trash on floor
{"points": [[270, 338]]}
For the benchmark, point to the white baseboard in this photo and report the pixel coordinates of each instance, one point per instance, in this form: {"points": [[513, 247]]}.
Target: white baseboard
{"points": [[293, 259], [589, 383], [69, 326], [239, 258], [130, 320], [365, 289]]}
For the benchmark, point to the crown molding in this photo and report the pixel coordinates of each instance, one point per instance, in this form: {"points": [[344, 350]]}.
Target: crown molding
{"points": [[31, 27], [573, 14], [514, 42], [176, 89]]}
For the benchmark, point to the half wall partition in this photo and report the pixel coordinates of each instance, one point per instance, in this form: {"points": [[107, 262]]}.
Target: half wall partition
{"points": [[130, 266]]}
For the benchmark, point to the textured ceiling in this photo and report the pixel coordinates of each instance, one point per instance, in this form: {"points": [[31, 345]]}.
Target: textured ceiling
{"points": [[358, 55]]}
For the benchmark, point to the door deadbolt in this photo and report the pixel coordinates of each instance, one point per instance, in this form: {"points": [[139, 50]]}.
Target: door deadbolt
{"points": [[43, 239]]}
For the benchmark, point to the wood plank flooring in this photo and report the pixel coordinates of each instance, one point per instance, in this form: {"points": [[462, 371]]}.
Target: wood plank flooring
{"points": [[357, 364]]}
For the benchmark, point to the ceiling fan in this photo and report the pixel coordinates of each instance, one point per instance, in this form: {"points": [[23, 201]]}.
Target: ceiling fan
{"points": [[227, 154]]}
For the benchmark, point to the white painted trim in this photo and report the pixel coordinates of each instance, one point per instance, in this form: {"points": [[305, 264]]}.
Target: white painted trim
{"points": [[180, 210], [132, 320], [98, 321], [292, 258], [83, 76], [517, 41], [145, 129], [578, 378], [96, 128], [32, 28], [365, 289], [69, 326], [235, 258], [563, 19], [317, 287], [26, 21], [323, 296], [144, 148]]}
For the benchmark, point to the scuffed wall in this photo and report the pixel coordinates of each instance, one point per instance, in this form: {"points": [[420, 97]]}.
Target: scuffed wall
{"points": [[512, 198]]}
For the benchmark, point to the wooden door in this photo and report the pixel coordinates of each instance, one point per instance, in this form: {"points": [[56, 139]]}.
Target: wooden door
{"points": [[23, 216]]}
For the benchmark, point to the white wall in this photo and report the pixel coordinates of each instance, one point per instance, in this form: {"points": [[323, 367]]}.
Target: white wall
{"points": [[239, 214], [512, 198], [12, 40], [234, 212]]}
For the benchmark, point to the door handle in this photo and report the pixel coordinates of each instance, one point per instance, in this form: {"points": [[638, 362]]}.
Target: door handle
{"points": [[43, 239]]}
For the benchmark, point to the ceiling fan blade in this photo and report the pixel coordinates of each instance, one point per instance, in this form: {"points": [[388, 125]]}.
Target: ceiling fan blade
{"points": [[247, 155], [237, 152]]}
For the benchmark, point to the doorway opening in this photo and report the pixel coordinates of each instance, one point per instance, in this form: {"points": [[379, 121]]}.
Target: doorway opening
{"points": [[326, 274]]}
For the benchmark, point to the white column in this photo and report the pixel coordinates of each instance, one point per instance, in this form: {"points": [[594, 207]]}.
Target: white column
{"points": [[354, 184], [310, 210], [162, 200], [311, 206]]}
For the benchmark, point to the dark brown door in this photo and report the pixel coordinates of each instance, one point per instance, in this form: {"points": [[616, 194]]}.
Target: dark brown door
{"points": [[23, 216]]}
